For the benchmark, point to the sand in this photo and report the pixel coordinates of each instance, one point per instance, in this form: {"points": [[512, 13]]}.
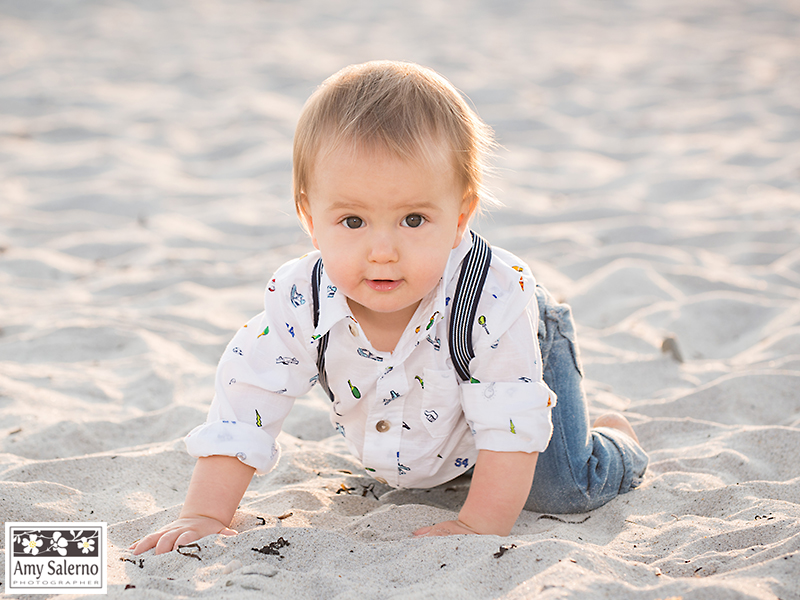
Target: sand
{"points": [[650, 172]]}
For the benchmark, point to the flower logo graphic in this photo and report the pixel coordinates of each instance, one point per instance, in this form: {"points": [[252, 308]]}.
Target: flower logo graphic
{"points": [[59, 543], [32, 544], [85, 545]]}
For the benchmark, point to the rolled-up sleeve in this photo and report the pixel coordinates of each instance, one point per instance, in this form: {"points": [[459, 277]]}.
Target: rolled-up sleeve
{"points": [[249, 444], [509, 417], [266, 365]]}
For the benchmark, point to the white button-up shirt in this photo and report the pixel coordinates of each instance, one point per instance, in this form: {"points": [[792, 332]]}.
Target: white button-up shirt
{"points": [[405, 414]]}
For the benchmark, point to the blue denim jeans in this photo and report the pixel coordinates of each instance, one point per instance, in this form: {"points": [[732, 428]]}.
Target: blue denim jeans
{"points": [[582, 468]]}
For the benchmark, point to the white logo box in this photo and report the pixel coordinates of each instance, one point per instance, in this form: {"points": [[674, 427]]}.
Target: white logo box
{"points": [[56, 558]]}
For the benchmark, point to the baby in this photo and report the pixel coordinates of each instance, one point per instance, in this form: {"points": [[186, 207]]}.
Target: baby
{"points": [[440, 354]]}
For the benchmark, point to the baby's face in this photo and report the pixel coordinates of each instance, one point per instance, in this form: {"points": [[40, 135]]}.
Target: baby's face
{"points": [[385, 228]]}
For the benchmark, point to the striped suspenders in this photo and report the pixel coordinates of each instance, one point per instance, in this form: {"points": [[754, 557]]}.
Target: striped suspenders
{"points": [[464, 307], [465, 304]]}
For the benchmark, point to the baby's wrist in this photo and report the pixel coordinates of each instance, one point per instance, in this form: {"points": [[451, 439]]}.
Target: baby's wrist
{"points": [[465, 526], [481, 525], [195, 515]]}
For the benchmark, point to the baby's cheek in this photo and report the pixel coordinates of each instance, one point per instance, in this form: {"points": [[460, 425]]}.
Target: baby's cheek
{"points": [[430, 273], [337, 271]]}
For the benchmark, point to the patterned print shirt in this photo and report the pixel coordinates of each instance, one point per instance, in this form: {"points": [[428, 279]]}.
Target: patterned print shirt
{"points": [[405, 414]]}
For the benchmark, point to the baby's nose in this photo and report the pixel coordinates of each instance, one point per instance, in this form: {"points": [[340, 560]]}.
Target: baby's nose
{"points": [[383, 249]]}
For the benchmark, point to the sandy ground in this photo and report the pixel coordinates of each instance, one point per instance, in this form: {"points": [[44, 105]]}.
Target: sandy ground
{"points": [[650, 172]]}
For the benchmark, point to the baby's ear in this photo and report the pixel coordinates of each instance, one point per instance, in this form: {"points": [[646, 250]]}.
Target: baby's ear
{"points": [[470, 203], [304, 213], [468, 207]]}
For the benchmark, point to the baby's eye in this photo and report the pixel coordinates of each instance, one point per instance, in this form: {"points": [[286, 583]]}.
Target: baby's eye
{"points": [[353, 222], [413, 220]]}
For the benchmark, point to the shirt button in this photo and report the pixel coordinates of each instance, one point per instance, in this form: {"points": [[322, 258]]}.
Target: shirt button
{"points": [[381, 480], [353, 329], [383, 426]]}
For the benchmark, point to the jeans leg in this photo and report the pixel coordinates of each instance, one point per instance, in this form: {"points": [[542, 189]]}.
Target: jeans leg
{"points": [[582, 468]]}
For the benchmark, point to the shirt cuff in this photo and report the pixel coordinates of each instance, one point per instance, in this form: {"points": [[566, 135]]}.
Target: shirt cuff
{"points": [[509, 417], [251, 445]]}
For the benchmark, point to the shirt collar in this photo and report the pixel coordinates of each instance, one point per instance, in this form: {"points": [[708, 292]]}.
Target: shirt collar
{"points": [[457, 256], [332, 307]]}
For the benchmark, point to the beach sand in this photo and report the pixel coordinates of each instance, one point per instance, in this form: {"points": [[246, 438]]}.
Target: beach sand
{"points": [[650, 175]]}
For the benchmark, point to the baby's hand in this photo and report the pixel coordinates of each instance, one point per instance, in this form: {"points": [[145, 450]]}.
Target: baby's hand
{"points": [[180, 532], [445, 528]]}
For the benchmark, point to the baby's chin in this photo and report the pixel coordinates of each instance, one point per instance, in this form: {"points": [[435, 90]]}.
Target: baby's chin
{"points": [[385, 303]]}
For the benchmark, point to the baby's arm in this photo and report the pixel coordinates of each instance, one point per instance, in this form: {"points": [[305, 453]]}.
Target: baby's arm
{"points": [[500, 486], [217, 486]]}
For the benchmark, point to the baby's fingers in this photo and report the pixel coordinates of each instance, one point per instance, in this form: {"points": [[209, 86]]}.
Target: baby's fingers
{"points": [[144, 544], [179, 533], [169, 540], [187, 537], [191, 535]]}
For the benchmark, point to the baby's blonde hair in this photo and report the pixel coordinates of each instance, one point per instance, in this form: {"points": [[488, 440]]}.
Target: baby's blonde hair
{"points": [[408, 110]]}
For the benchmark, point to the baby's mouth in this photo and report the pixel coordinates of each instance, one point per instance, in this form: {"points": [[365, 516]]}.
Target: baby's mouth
{"points": [[384, 285]]}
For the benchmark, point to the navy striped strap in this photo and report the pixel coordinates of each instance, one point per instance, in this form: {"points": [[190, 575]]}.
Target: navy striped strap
{"points": [[465, 304], [322, 346]]}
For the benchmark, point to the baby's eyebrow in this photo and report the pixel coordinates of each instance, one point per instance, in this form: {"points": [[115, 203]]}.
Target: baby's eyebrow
{"points": [[343, 205], [410, 207], [417, 206]]}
